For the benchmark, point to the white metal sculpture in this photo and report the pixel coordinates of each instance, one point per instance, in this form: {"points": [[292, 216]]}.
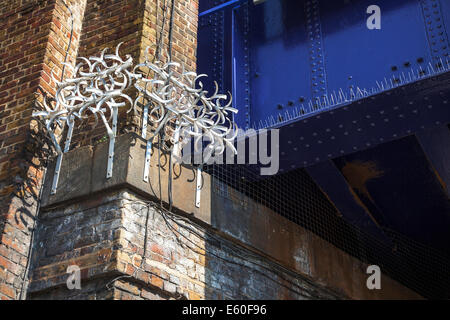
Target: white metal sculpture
{"points": [[175, 105], [174, 96]]}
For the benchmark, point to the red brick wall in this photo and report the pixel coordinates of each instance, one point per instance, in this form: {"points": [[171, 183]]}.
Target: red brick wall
{"points": [[34, 36], [106, 24]]}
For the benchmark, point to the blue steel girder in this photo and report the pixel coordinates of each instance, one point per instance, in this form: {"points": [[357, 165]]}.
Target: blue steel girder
{"points": [[287, 59], [219, 7], [307, 67]]}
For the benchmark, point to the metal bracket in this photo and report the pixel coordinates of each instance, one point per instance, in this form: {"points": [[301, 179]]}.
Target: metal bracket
{"points": [[60, 156], [148, 154], [112, 140], [176, 146], [318, 75], [435, 28], [198, 190]]}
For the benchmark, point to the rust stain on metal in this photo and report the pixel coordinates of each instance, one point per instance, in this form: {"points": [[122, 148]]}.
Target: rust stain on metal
{"points": [[358, 174], [439, 178]]}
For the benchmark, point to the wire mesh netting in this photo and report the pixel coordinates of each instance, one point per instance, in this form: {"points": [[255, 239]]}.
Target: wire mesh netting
{"points": [[295, 196]]}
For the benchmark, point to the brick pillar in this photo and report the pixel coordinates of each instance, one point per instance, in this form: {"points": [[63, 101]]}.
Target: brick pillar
{"points": [[34, 36], [137, 24]]}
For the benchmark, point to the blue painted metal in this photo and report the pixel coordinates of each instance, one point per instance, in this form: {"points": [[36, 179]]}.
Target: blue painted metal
{"points": [[300, 51], [341, 92], [241, 66], [357, 57], [214, 47], [280, 60]]}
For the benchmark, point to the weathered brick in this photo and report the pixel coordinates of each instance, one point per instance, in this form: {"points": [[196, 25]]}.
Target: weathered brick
{"points": [[157, 282]]}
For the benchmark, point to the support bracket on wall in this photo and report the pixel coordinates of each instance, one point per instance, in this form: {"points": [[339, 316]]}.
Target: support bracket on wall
{"points": [[112, 141], [198, 190]]}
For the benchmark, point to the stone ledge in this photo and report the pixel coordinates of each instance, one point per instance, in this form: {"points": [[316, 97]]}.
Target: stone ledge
{"points": [[83, 173]]}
